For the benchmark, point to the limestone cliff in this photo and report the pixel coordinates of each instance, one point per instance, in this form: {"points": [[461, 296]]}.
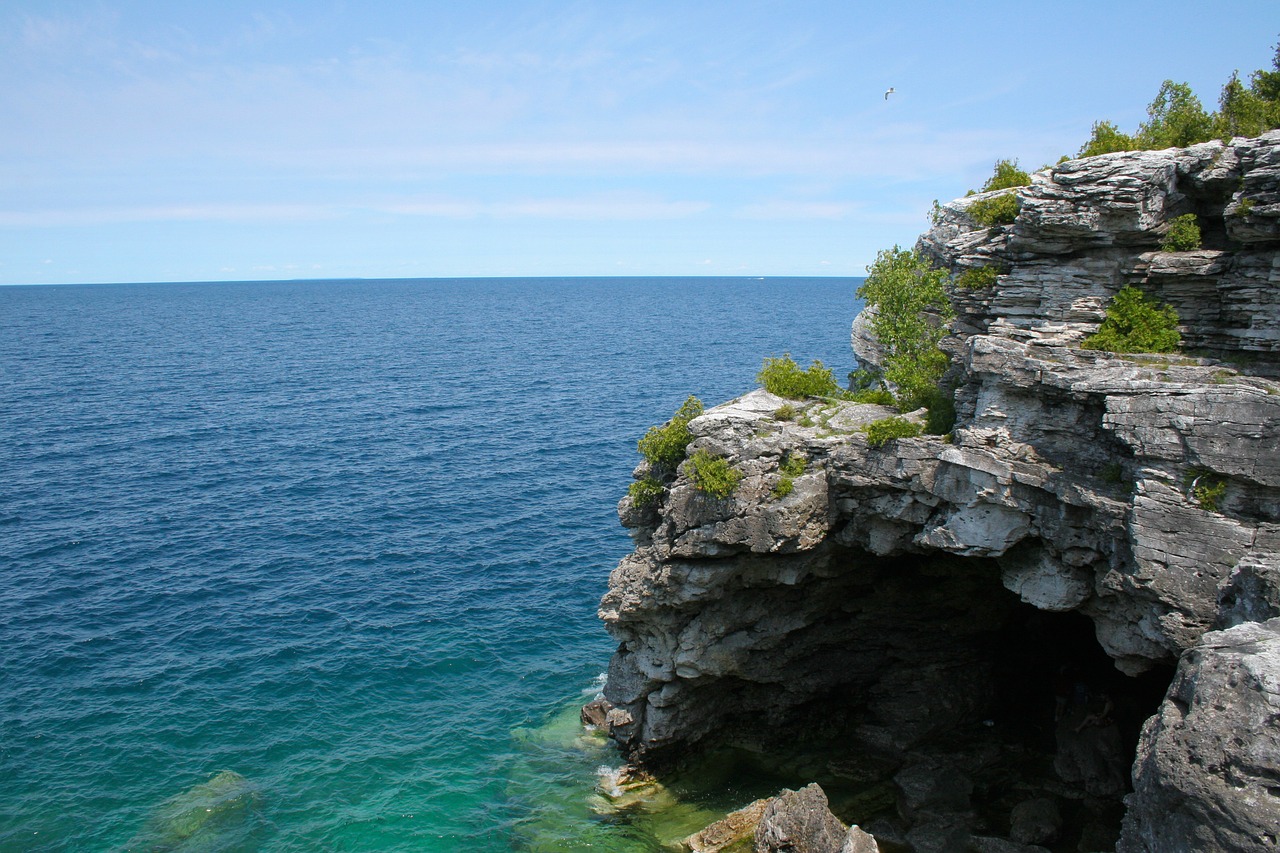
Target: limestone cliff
{"points": [[899, 595]]}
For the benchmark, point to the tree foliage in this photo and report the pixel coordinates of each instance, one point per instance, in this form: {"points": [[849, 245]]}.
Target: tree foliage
{"points": [[1176, 117], [1106, 139], [1136, 323], [1005, 176], [910, 319]]}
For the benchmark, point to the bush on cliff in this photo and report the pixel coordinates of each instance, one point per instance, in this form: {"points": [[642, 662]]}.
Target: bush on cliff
{"points": [[1106, 139], [1136, 323], [1183, 234], [712, 475], [646, 492], [1006, 175], [997, 210], [783, 377], [978, 278], [789, 468], [664, 446], [885, 430], [910, 319]]}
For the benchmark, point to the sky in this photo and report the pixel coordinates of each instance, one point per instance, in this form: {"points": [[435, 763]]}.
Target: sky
{"points": [[161, 141]]}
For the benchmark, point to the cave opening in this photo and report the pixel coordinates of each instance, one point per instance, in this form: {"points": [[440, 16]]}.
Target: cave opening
{"points": [[1050, 667]]}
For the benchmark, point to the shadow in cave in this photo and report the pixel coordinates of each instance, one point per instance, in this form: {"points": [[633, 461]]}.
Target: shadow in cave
{"points": [[1050, 671]]}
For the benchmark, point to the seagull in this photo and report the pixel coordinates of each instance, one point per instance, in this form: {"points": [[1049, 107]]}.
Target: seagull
{"points": [[888, 93]]}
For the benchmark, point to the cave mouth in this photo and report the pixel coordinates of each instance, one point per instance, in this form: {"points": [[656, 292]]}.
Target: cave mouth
{"points": [[1049, 670], [1029, 707]]}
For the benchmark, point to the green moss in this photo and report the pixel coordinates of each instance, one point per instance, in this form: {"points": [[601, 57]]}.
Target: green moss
{"points": [[883, 431], [1136, 323], [713, 475]]}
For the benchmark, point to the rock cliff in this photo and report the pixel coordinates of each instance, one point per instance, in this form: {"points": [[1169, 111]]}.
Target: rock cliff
{"points": [[939, 608]]}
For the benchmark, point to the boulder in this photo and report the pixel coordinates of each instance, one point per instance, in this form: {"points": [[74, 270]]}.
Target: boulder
{"points": [[800, 822], [1207, 775]]}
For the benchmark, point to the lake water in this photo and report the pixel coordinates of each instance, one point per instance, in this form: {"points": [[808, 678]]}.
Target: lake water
{"points": [[314, 566]]}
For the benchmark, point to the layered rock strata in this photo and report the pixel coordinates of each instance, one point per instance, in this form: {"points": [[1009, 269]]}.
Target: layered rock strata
{"points": [[1139, 492]]}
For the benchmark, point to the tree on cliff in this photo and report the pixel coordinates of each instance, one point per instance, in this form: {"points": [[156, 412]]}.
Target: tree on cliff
{"points": [[1176, 118], [910, 319]]}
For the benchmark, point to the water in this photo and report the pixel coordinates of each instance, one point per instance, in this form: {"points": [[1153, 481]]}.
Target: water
{"points": [[314, 566]]}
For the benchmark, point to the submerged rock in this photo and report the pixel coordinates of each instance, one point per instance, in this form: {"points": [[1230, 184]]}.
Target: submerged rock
{"points": [[218, 814]]}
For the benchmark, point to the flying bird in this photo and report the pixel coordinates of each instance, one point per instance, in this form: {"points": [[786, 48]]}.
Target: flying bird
{"points": [[888, 93]]}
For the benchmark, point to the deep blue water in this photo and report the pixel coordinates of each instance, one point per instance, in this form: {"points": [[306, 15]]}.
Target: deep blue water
{"points": [[342, 539]]}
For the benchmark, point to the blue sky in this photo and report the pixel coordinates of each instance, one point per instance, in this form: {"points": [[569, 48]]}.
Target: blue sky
{"points": [[160, 141]]}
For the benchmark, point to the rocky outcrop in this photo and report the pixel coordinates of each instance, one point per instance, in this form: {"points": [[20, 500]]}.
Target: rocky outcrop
{"points": [[1207, 778], [792, 822], [890, 597]]}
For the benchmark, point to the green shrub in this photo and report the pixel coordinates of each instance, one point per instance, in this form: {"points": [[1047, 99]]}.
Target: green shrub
{"points": [[941, 418], [783, 377], [1136, 323], [910, 319], [664, 446], [791, 466], [1006, 175], [879, 396], [997, 210], [887, 429], [1113, 473], [1244, 207], [645, 492], [978, 277], [1206, 488], [1183, 234], [713, 475], [1107, 138], [785, 412]]}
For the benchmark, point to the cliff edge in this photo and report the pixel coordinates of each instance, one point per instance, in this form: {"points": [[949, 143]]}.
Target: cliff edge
{"points": [[944, 608]]}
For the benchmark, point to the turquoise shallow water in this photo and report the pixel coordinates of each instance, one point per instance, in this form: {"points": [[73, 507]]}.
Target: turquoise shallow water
{"points": [[314, 566]]}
